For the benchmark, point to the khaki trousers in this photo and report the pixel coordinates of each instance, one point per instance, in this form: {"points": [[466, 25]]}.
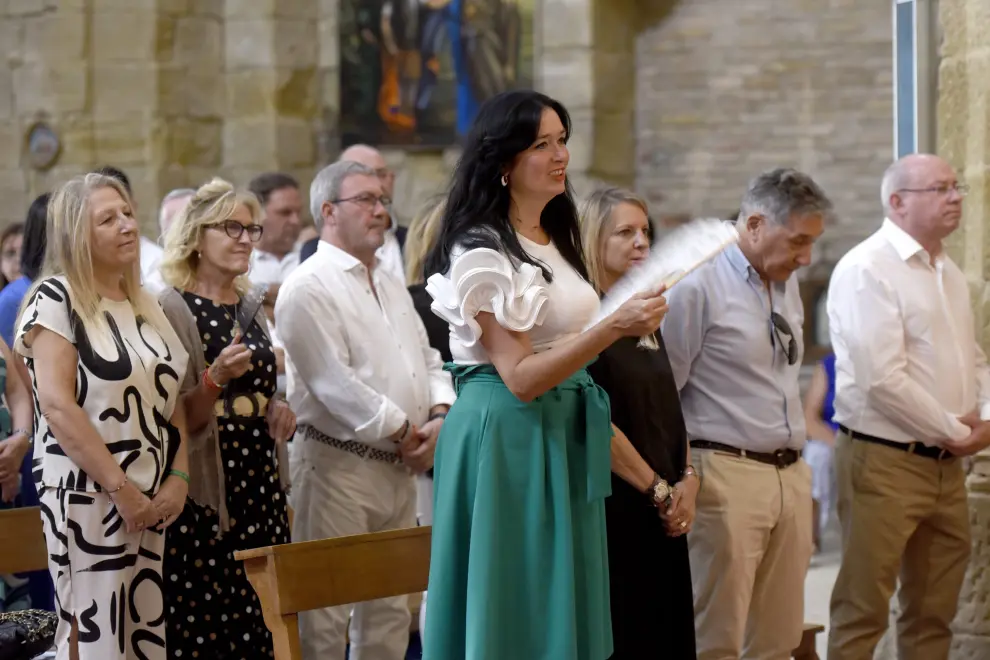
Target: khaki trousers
{"points": [[750, 548], [899, 513], [336, 493]]}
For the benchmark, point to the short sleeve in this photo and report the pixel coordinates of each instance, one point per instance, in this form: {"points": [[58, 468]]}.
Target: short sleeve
{"points": [[49, 307], [483, 280]]}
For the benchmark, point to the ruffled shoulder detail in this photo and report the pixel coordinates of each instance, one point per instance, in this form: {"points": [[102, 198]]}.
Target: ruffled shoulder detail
{"points": [[483, 280]]}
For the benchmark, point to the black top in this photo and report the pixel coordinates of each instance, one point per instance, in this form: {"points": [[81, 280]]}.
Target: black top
{"points": [[649, 572], [645, 404], [436, 328]]}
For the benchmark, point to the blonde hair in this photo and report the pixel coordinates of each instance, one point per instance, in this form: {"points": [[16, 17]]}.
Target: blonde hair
{"points": [[420, 239], [69, 253], [211, 205], [595, 217]]}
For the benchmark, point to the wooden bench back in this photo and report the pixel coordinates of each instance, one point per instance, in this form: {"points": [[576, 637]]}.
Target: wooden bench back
{"points": [[310, 575], [22, 541]]}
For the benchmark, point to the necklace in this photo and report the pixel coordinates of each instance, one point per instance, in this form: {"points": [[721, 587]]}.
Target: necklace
{"points": [[233, 315]]}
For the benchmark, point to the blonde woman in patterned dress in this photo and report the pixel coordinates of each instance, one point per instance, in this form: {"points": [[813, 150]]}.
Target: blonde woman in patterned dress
{"points": [[236, 424], [105, 367]]}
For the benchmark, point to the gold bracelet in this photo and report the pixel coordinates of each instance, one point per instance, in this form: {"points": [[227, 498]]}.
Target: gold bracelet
{"points": [[122, 484]]}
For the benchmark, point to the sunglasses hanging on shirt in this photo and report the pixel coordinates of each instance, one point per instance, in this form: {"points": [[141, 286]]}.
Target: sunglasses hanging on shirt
{"points": [[779, 325]]}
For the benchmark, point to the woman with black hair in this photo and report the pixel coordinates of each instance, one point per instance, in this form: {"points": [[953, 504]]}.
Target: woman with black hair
{"points": [[518, 566], [32, 257]]}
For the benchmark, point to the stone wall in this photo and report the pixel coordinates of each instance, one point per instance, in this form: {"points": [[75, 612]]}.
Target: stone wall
{"points": [[963, 137], [725, 90], [681, 99]]}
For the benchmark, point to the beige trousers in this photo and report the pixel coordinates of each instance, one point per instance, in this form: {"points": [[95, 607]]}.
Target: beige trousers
{"points": [[336, 493], [900, 513], [750, 548]]}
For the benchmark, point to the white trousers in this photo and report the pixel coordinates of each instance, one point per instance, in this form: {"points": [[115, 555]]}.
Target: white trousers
{"points": [[336, 493]]}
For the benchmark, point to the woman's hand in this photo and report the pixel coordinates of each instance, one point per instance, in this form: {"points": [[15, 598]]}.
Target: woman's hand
{"points": [[170, 499], [12, 453], [281, 420], [135, 508], [678, 516], [9, 488], [233, 362], [640, 315]]}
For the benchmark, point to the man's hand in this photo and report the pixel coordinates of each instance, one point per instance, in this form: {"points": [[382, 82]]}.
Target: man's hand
{"points": [[418, 454], [975, 442]]}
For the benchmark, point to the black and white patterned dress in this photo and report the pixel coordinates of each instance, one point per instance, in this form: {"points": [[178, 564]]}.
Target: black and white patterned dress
{"points": [[127, 382], [213, 612]]}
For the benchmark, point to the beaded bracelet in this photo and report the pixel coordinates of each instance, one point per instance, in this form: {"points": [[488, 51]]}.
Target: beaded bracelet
{"points": [[210, 383]]}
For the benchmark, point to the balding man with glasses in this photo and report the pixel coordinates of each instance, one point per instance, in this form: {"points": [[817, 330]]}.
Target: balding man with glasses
{"points": [[733, 334], [912, 389]]}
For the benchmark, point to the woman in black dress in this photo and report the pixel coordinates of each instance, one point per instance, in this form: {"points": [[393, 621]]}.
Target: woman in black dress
{"points": [[236, 500], [651, 507]]}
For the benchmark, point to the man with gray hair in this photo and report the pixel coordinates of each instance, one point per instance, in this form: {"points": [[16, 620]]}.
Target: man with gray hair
{"points": [[734, 337], [369, 394], [171, 204], [912, 395], [390, 253]]}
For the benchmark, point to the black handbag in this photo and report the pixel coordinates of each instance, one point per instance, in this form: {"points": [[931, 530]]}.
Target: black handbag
{"points": [[26, 634]]}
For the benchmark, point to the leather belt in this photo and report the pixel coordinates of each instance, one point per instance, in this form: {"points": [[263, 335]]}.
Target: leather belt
{"points": [[919, 448], [781, 458], [351, 446]]}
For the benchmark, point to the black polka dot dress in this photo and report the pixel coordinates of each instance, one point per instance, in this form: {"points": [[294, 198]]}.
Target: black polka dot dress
{"points": [[212, 610]]}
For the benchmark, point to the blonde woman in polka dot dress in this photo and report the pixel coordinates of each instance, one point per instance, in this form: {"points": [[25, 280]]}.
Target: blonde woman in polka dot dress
{"points": [[236, 499]]}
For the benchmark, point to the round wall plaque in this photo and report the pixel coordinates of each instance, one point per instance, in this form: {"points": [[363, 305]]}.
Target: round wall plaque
{"points": [[43, 146]]}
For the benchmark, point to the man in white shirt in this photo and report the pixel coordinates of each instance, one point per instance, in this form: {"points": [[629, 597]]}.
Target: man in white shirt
{"points": [[912, 386], [390, 253], [369, 395], [275, 256], [171, 204]]}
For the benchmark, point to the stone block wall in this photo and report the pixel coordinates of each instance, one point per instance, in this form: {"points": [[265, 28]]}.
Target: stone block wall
{"points": [[725, 90], [964, 140], [684, 100]]}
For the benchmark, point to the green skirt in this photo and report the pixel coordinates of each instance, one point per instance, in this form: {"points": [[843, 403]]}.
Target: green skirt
{"points": [[519, 565]]}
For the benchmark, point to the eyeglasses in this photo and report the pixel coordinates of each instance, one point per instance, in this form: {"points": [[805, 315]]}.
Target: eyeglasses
{"points": [[943, 189], [366, 199], [235, 230], [780, 325]]}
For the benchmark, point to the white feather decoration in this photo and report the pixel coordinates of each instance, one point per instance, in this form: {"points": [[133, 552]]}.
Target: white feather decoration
{"points": [[672, 257]]}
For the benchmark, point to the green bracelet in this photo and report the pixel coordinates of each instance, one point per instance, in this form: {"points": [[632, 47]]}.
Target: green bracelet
{"points": [[180, 475]]}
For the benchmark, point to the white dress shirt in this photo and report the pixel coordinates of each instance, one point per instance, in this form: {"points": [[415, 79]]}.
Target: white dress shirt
{"points": [[151, 259], [907, 364], [390, 255], [358, 366], [267, 269]]}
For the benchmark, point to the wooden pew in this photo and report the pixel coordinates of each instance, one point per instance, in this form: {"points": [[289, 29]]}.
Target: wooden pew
{"points": [[806, 650], [297, 577], [22, 541]]}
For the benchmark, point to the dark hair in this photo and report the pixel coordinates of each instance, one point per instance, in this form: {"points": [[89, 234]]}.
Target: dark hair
{"points": [[477, 211], [114, 173], [11, 230], [35, 237], [264, 185]]}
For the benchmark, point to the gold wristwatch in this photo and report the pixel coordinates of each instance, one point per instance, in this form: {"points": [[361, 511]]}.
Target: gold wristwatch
{"points": [[659, 491]]}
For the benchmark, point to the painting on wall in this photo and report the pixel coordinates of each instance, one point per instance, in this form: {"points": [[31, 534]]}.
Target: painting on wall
{"points": [[414, 72]]}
